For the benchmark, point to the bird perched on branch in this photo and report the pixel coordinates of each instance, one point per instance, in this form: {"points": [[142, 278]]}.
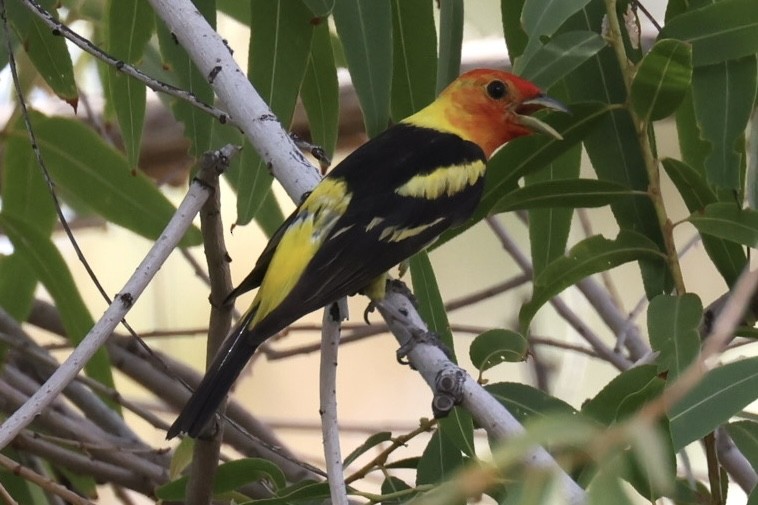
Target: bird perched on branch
{"points": [[389, 199]]}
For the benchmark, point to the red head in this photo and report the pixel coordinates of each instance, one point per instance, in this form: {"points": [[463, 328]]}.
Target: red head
{"points": [[489, 108]]}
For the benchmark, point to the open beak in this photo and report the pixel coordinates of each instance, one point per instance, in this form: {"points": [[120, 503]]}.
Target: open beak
{"points": [[532, 105]]}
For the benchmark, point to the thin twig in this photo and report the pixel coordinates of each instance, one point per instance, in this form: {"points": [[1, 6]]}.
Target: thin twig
{"points": [[207, 450], [330, 339], [42, 481], [87, 46]]}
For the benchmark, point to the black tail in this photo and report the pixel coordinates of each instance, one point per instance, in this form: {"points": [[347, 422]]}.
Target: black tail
{"points": [[226, 367]]}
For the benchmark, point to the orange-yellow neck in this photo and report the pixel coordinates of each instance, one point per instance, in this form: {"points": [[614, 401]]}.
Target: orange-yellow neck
{"points": [[455, 112]]}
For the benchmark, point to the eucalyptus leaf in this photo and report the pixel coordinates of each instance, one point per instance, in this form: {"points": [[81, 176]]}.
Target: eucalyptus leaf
{"points": [[84, 166], [673, 323], [365, 29], [662, 79], [729, 222], [569, 193], [527, 402], [592, 255], [719, 31], [721, 393], [320, 91], [559, 56], [497, 346], [130, 25], [414, 57], [439, 459], [450, 43]]}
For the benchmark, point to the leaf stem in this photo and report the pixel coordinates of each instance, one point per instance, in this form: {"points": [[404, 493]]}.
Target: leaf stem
{"points": [[642, 127]]}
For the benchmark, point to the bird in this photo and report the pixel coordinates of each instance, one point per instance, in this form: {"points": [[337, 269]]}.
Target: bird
{"points": [[387, 200]]}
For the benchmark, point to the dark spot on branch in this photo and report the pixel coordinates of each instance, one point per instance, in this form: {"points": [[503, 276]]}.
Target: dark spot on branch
{"points": [[214, 73], [126, 299]]}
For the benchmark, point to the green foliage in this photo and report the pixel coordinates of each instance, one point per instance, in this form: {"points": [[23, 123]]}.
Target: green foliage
{"points": [[697, 76]]}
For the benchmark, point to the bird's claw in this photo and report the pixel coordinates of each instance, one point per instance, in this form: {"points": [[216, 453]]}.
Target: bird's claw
{"points": [[371, 307], [425, 337]]}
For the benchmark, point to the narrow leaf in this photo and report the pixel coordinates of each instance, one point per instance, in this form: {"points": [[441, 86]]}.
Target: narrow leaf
{"points": [[320, 8], [414, 57], [613, 147], [624, 394], [745, 436], [593, 255], [451, 41], [229, 476], [722, 393], [569, 193], [370, 443], [100, 178], [130, 26], [438, 460], [197, 124], [723, 96], [497, 346], [719, 31], [673, 327], [526, 402], [280, 42], [559, 56], [729, 222], [728, 257], [431, 307], [49, 267], [365, 29], [320, 91], [662, 79], [515, 36], [47, 52]]}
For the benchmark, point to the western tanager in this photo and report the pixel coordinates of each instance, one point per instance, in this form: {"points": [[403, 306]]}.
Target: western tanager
{"points": [[386, 201]]}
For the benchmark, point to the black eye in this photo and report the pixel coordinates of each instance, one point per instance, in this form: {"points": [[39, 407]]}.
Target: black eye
{"points": [[497, 89]]}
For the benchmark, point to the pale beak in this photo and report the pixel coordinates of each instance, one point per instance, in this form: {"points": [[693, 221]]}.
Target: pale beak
{"points": [[535, 104]]}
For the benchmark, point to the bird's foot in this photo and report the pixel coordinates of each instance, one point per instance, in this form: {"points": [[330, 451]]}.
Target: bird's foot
{"points": [[421, 337]]}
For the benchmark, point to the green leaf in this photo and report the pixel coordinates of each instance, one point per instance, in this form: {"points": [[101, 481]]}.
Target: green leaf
{"points": [[662, 79], [239, 11], [414, 67], [439, 460], [451, 41], [549, 228], [728, 257], [723, 97], [752, 499], [559, 56], [526, 154], [567, 193], [430, 304], [370, 443], [613, 147], [729, 222], [320, 91], [745, 436], [673, 327], [130, 25], [18, 283], [515, 36], [526, 402], [47, 52], [624, 394], [229, 476], [607, 484], [718, 32], [497, 346], [590, 256], [365, 29], [100, 177], [41, 255], [721, 393], [392, 485], [458, 427], [320, 8], [283, 29], [542, 18], [24, 191], [197, 124]]}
